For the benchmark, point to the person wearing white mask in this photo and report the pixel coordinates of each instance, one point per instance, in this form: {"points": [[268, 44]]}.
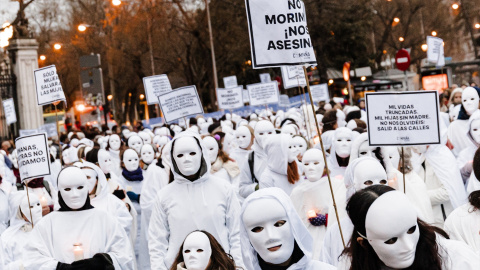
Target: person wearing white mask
{"points": [[256, 163], [341, 118], [145, 137], [388, 234], [463, 223], [361, 148], [272, 234], [444, 183], [17, 235], [160, 141], [282, 169], [222, 166], [312, 199], [106, 164], [458, 129], [289, 129], [201, 251], [103, 240], [338, 159], [301, 144], [113, 147], [245, 139], [465, 157], [135, 143], [162, 131], [147, 155], [211, 205]]}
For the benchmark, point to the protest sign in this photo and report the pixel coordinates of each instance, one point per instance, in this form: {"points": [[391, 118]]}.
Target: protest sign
{"points": [[320, 92], [435, 51], [181, 102], [50, 129], [155, 86], [406, 118], [246, 98], [278, 33], [230, 98], [47, 83], [9, 109], [284, 101], [293, 76], [230, 82], [265, 78], [26, 132], [263, 93], [33, 156]]}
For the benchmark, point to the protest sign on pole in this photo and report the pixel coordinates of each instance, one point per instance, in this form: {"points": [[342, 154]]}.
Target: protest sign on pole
{"points": [[284, 101], [181, 102], [320, 92], [405, 118], [230, 98], [50, 129], [278, 33], [230, 82], [48, 86], [9, 109], [265, 78], [26, 132], [246, 97], [293, 77], [263, 93], [435, 51], [155, 86], [33, 156]]}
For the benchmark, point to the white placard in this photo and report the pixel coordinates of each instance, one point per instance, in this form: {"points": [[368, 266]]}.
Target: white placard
{"points": [[26, 132], [181, 102], [50, 129], [230, 98], [435, 51], [9, 109], [320, 92], [33, 156], [246, 97], [263, 93], [49, 88], [284, 101], [155, 86], [293, 76], [230, 82], [278, 33], [406, 118], [265, 78]]}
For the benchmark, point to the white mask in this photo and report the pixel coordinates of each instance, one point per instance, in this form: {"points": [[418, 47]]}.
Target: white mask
{"points": [[163, 131], [105, 161], [368, 173], [125, 133], [263, 129], [72, 184], [14, 158], [130, 160], [92, 179], [289, 129], [114, 142], [269, 231], [313, 164], [197, 251], [292, 150], [145, 137], [226, 123], [147, 154], [470, 100], [341, 119], [212, 148], [365, 150], [244, 137], [475, 130], [135, 143], [393, 155], [160, 141], [301, 144], [72, 154], [343, 142], [187, 155], [392, 229], [53, 151], [35, 207]]}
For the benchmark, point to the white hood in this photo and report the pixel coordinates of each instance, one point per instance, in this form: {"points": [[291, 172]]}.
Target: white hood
{"points": [[276, 148], [102, 186], [348, 178], [302, 237], [354, 153], [474, 116]]}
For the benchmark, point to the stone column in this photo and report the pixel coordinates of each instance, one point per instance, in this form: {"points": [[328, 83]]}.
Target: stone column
{"points": [[24, 60]]}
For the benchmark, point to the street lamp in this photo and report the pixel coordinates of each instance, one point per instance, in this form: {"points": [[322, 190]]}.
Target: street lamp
{"points": [[424, 47], [455, 6], [43, 57], [57, 46], [477, 25], [116, 2], [82, 27], [80, 107], [401, 39], [396, 19], [142, 96], [110, 97], [434, 33], [330, 82], [363, 78]]}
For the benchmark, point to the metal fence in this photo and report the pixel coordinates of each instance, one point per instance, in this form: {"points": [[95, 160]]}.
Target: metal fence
{"points": [[8, 84]]}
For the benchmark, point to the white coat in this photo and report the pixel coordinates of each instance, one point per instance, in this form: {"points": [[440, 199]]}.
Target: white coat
{"points": [[184, 206], [456, 133], [463, 224], [247, 185]]}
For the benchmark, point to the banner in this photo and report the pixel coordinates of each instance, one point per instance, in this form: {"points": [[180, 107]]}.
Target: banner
{"points": [[278, 33], [284, 101], [33, 156], [320, 92], [230, 82], [155, 86], [47, 83], [435, 51], [263, 93], [293, 76], [265, 78], [181, 102], [9, 109], [406, 118], [230, 98]]}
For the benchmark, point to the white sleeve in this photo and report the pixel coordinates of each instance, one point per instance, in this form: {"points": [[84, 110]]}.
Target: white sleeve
{"points": [[246, 184], [233, 226], [119, 248], [158, 237], [266, 179], [122, 214]]}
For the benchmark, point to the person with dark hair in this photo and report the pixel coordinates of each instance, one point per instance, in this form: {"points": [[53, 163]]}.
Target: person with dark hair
{"points": [[329, 123], [201, 251], [387, 234], [463, 223]]}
